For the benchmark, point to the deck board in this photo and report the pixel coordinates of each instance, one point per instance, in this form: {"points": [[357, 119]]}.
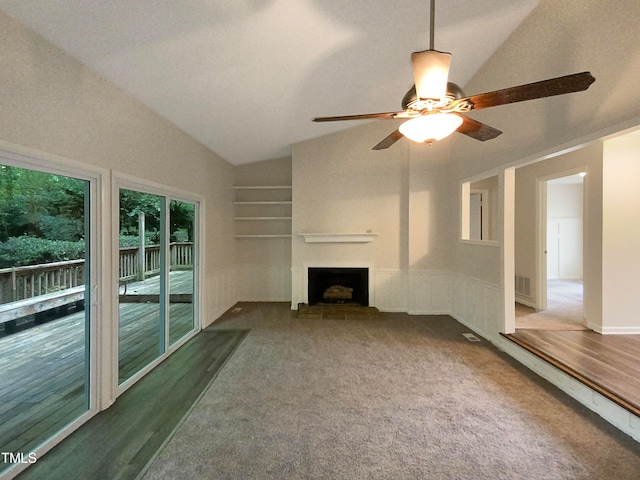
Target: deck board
{"points": [[42, 368]]}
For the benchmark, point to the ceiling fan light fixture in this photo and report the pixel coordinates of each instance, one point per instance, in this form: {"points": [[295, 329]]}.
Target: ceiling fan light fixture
{"points": [[427, 128], [431, 72]]}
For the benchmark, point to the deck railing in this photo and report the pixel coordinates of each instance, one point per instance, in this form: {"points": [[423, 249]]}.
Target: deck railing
{"points": [[20, 283]]}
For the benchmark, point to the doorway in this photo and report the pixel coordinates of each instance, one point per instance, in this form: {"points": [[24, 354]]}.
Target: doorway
{"points": [[556, 301], [563, 278]]}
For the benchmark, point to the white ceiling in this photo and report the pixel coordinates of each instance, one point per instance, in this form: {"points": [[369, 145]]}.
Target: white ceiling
{"points": [[245, 77]]}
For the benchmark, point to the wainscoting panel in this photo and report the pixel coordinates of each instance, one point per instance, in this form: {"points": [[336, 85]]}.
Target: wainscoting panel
{"points": [[390, 290], [430, 292], [223, 296], [477, 305], [264, 283]]}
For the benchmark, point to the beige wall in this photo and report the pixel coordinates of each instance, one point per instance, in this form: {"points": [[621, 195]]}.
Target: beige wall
{"points": [[341, 186], [565, 200], [621, 235], [56, 110]]}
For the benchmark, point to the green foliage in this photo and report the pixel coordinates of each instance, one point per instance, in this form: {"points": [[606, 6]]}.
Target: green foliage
{"points": [[61, 228], [40, 205], [42, 217], [182, 216], [133, 241], [132, 203], [18, 251]]}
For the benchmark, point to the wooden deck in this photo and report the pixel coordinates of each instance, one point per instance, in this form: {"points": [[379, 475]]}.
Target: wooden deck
{"points": [[609, 364], [42, 368]]}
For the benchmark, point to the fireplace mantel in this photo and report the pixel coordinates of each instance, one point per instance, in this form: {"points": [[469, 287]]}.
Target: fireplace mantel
{"points": [[338, 237]]}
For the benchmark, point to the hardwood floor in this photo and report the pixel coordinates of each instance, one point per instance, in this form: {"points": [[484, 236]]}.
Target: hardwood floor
{"points": [[120, 441], [609, 364]]}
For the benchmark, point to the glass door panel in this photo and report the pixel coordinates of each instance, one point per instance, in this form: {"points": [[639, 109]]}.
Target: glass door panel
{"points": [[181, 276], [141, 285], [44, 327]]}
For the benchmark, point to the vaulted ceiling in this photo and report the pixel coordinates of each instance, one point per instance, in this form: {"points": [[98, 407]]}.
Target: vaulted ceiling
{"points": [[245, 77]]}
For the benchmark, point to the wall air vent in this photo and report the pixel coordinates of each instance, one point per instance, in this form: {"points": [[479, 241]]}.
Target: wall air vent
{"points": [[523, 286]]}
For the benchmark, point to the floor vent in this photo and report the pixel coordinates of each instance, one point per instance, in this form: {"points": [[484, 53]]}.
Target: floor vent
{"points": [[471, 337], [523, 286]]}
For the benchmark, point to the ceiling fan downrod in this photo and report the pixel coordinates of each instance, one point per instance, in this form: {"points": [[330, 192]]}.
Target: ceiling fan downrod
{"points": [[432, 22]]}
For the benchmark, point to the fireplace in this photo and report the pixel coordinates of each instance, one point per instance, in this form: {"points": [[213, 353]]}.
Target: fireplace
{"points": [[338, 286]]}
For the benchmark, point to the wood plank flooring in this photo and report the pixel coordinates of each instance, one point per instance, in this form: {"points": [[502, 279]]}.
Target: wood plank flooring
{"points": [[609, 364], [119, 442]]}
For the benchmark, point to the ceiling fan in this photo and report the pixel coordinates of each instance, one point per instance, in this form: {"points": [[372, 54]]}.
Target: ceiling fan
{"points": [[434, 107]]}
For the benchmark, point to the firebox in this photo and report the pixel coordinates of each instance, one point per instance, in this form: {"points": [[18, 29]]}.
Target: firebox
{"points": [[338, 286]]}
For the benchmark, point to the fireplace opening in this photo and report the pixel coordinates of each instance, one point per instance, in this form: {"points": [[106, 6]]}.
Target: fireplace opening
{"points": [[348, 286]]}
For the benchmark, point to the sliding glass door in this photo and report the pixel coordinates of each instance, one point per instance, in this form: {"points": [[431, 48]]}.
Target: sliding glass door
{"points": [[156, 277], [44, 325], [181, 276], [141, 316]]}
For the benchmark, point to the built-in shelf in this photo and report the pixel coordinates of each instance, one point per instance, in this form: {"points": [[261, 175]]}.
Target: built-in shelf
{"points": [[338, 237], [263, 211]]}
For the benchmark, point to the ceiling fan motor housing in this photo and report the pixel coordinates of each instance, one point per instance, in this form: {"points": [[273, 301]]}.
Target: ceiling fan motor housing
{"points": [[454, 92]]}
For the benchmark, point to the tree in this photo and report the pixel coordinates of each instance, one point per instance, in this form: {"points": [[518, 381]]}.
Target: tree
{"points": [[40, 205], [131, 204], [182, 216]]}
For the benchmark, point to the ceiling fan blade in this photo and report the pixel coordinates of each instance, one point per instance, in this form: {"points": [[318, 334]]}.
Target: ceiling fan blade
{"points": [[474, 129], [358, 117], [576, 82], [389, 140]]}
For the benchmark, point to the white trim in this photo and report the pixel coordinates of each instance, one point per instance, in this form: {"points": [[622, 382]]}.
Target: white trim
{"points": [[635, 330], [482, 243], [338, 237], [540, 254], [508, 258], [122, 180]]}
